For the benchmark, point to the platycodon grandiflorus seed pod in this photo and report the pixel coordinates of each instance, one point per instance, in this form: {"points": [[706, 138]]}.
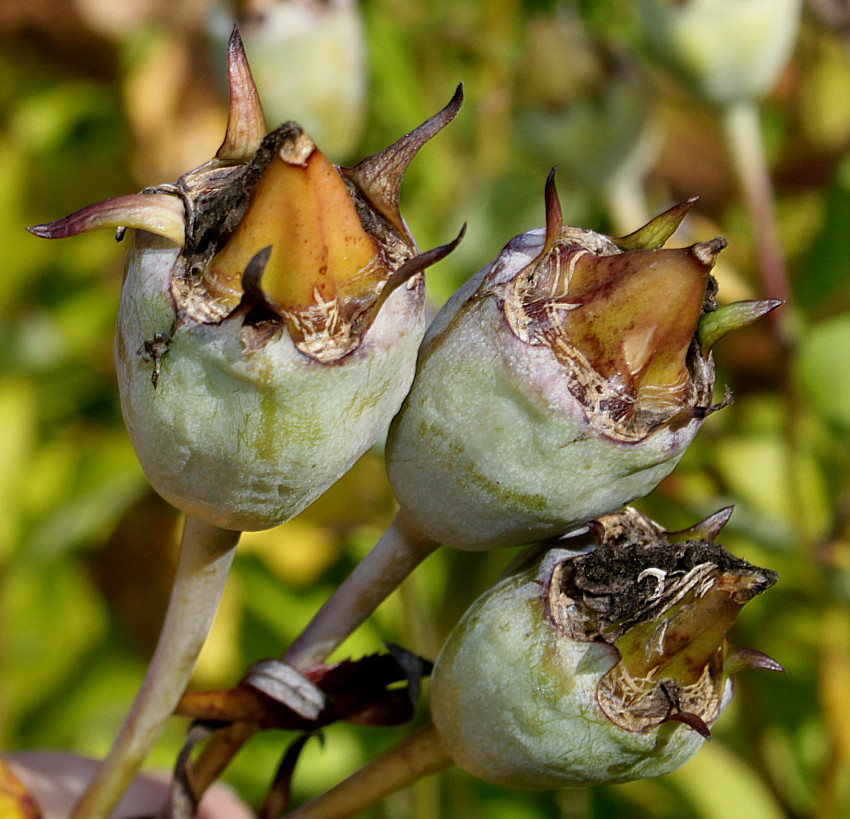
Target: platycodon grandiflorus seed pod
{"points": [[563, 380], [271, 312], [605, 662], [602, 658]]}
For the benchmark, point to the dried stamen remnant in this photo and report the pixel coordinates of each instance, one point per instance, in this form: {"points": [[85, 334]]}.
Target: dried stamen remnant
{"points": [[666, 608]]}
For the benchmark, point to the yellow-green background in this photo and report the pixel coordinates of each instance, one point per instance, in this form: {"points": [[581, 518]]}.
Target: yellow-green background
{"points": [[94, 105]]}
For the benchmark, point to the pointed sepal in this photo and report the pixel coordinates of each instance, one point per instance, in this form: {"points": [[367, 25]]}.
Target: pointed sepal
{"points": [[729, 317], [694, 722], [658, 230], [707, 529], [246, 123], [554, 214], [158, 213], [739, 659], [416, 265], [379, 176]]}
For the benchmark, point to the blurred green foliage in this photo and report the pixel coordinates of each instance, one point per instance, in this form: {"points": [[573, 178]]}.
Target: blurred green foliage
{"points": [[94, 104]]}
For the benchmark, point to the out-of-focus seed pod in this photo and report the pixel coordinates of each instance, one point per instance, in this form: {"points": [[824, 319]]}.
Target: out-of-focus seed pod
{"points": [[309, 63], [605, 662], [726, 50], [591, 111], [562, 381], [270, 317]]}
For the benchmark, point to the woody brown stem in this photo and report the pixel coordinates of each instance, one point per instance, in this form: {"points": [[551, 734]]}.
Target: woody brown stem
{"points": [[414, 757]]}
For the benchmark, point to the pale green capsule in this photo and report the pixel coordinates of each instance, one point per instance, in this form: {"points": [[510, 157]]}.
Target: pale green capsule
{"points": [[595, 667]]}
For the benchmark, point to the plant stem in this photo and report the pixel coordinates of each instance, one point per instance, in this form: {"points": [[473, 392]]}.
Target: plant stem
{"points": [[206, 553], [743, 135], [414, 757], [399, 551]]}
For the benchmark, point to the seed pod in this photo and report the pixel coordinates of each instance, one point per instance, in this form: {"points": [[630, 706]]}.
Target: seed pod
{"points": [[726, 50], [559, 383], [605, 662], [271, 312]]}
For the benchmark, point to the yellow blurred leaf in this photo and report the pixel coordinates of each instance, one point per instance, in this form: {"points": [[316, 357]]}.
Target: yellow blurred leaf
{"points": [[15, 801], [296, 553], [826, 88], [721, 785], [835, 680], [762, 473], [17, 431]]}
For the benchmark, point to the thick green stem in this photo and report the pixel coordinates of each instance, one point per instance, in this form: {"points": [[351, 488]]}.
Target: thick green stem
{"points": [[412, 758], [399, 551], [206, 553]]}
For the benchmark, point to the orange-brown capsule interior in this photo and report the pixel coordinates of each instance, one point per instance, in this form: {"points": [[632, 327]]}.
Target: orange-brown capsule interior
{"points": [[634, 315], [688, 637], [320, 251]]}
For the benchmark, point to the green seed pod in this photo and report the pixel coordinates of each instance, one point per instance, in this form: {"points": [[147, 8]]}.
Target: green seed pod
{"points": [[726, 50], [559, 383], [270, 317], [605, 662]]}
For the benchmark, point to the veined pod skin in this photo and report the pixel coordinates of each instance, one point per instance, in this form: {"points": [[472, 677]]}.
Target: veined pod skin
{"points": [[247, 441], [562, 381], [607, 661], [270, 317]]}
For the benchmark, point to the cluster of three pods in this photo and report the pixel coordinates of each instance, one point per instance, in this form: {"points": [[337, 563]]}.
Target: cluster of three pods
{"points": [[270, 328]]}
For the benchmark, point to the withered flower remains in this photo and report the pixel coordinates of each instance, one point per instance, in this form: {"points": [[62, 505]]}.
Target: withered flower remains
{"points": [[271, 312], [564, 380], [605, 662]]}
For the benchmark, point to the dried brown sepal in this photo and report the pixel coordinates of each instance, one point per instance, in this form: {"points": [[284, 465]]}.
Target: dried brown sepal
{"points": [[693, 722], [658, 230], [379, 176], [739, 659], [358, 691], [246, 123], [707, 529], [158, 213], [665, 608], [554, 215], [415, 266]]}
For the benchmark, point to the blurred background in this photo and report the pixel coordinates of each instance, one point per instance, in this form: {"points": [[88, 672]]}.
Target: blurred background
{"points": [[638, 112]]}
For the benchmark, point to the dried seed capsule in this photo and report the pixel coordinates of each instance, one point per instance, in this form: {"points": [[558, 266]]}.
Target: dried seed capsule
{"points": [[605, 662], [559, 383], [270, 317]]}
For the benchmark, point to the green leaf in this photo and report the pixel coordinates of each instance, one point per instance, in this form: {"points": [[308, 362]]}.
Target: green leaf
{"points": [[823, 369]]}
